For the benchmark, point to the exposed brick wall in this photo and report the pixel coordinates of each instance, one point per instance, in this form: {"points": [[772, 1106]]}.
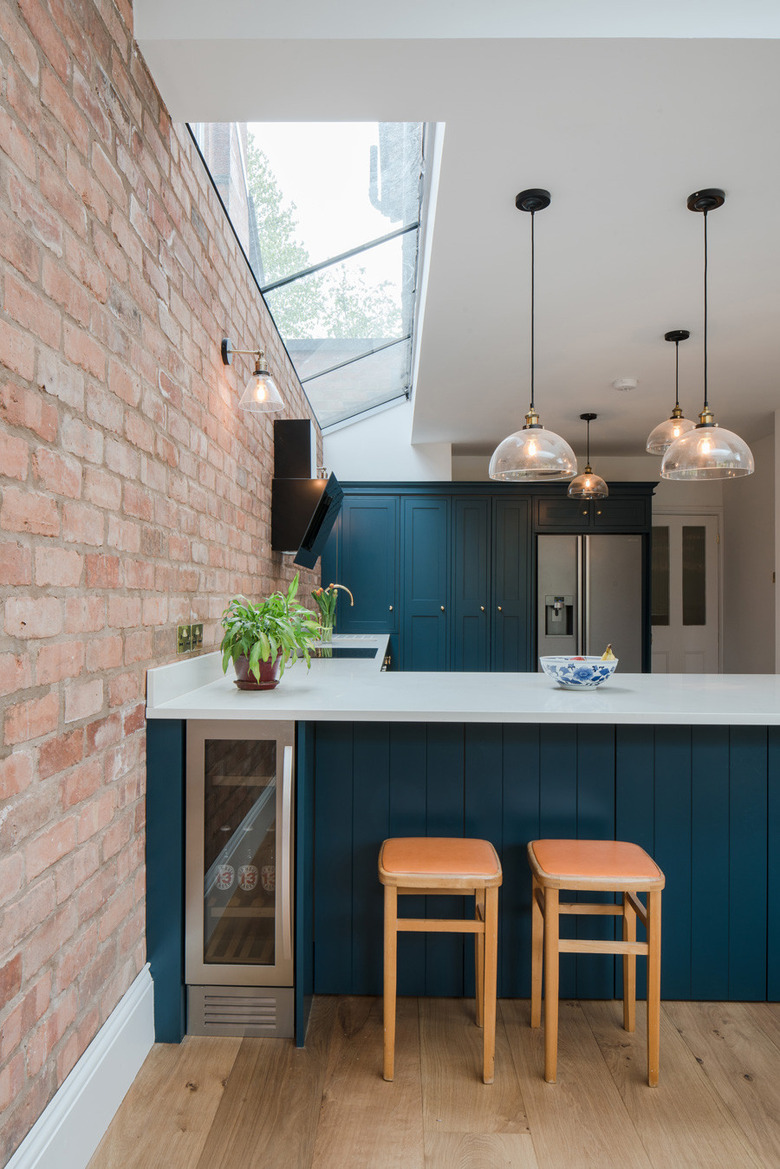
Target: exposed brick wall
{"points": [[133, 496]]}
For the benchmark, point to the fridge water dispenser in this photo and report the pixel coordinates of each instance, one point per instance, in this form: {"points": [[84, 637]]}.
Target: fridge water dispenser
{"points": [[558, 616]]}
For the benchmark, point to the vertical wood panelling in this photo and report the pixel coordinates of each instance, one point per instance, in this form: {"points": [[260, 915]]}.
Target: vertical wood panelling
{"points": [[408, 755], [483, 807], [470, 600], [333, 924], [304, 876], [773, 872], [444, 817], [511, 601], [673, 853], [521, 788], [368, 563], [425, 592], [558, 815], [595, 821], [710, 862], [370, 815], [634, 812], [748, 863]]}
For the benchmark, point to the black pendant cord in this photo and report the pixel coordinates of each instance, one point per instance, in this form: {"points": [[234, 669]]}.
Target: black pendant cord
{"points": [[533, 294], [587, 444], [706, 401], [677, 375]]}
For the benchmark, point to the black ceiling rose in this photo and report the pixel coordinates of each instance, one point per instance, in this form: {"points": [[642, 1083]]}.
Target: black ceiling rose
{"points": [[707, 199], [677, 335], [534, 199]]}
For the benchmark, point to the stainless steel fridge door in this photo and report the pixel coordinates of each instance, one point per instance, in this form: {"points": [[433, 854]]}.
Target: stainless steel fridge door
{"points": [[612, 571], [559, 617]]}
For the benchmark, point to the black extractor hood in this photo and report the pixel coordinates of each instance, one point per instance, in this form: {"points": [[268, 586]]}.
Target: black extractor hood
{"points": [[303, 508]]}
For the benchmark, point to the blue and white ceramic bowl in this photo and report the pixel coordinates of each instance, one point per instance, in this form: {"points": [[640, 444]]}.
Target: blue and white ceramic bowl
{"points": [[578, 673]]}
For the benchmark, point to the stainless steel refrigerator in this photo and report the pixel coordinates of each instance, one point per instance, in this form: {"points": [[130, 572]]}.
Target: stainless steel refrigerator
{"points": [[589, 594]]}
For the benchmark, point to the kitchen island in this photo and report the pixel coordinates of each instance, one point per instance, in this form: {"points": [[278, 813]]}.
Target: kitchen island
{"points": [[686, 766]]}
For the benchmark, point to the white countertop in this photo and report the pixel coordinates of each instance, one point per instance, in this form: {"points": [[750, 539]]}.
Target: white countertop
{"points": [[356, 690]]}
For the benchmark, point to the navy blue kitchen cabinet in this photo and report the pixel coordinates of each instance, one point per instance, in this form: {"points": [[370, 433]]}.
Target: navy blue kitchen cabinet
{"points": [[471, 602], [512, 585], [425, 583], [363, 554]]}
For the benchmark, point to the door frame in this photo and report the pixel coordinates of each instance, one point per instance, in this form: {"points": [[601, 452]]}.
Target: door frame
{"points": [[708, 510]]}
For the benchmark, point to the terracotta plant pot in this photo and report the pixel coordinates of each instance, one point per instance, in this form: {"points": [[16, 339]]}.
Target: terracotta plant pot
{"points": [[269, 674]]}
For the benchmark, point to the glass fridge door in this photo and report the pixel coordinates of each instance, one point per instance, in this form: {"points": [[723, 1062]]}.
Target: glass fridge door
{"points": [[239, 854]]}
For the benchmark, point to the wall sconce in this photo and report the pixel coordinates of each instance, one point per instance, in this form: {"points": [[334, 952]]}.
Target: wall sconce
{"points": [[261, 394]]}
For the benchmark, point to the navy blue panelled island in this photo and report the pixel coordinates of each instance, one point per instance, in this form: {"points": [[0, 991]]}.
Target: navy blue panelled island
{"points": [[686, 766]]}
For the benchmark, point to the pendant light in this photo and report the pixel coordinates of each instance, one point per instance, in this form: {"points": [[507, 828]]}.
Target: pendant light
{"points": [[660, 439], [532, 454], [707, 451], [587, 485]]}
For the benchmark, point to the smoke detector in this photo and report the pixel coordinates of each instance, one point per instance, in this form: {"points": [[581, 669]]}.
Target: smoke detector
{"points": [[625, 383]]}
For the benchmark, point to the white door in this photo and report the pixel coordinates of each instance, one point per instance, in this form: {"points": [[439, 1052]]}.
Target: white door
{"points": [[685, 594]]}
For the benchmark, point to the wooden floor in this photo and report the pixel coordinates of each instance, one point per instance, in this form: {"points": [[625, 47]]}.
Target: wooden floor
{"points": [[262, 1104]]}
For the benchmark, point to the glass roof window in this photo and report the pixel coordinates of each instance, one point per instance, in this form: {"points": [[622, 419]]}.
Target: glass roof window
{"points": [[328, 215]]}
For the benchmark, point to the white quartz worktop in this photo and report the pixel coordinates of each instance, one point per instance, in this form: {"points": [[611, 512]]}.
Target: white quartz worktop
{"points": [[356, 690]]}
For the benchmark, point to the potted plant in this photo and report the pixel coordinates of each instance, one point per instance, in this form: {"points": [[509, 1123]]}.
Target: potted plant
{"points": [[260, 639]]}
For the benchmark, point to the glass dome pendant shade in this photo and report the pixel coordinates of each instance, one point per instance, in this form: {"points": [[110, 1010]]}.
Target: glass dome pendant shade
{"points": [[707, 451], [587, 485], [659, 439], [533, 454], [261, 395]]}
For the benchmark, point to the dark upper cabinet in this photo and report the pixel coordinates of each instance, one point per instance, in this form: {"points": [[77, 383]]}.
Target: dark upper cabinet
{"points": [[425, 583], [627, 508], [362, 553], [511, 593], [471, 584]]}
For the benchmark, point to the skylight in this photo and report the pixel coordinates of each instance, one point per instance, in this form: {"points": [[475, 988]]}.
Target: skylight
{"points": [[328, 215]]}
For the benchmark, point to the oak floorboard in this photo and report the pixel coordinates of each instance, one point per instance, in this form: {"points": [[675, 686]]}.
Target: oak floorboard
{"points": [[455, 1099], [470, 1150], [166, 1116], [581, 1122], [683, 1121], [365, 1122], [741, 1062], [268, 1115]]}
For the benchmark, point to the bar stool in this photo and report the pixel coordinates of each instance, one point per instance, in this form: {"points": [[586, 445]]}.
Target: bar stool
{"points": [[606, 865], [436, 865]]}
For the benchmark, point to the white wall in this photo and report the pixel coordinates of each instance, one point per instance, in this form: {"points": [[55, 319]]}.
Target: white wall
{"points": [[379, 449], [749, 620]]}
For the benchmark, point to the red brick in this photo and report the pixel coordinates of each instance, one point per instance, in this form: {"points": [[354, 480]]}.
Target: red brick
{"points": [[31, 720], [83, 700], [97, 814], [107, 175], [134, 719], [124, 688], [85, 615], [123, 383], [124, 612], [124, 535], [103, 489], [29, 309], [64, 659], [58, 566], [74, 870], [46, 35], [104, 572], [10, 979], [139, 646], [11, 883], [104, 409], [16, 773], [137, 502], [60, 753], [139, 574], [60, 379], [53, 935], [49, 847], [85, 268], [139, 432], [29, 511], [76, 960], [120, 906], [122, 459], [57, 472], [33, 617], [17, 245], [45, 1038], [15, 673], [24, 916], [18, 350], [82, 782], [84, 352], [61, 197], [22, 407], [16, 145], [82, 524], [127, 239], [55, 97], [14, 456], [89, 103], [42, 128], [67, 292], [12, 1079], [104, 653], [33, 212], [84, 441], [19, 42], [104, 732], [110, 254]]}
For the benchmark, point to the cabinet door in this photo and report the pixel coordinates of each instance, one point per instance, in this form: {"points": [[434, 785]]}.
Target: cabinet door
{"points": [[561, 514], [368, 564], [425, 576], [471, 603], [621, 515], [511, 615]]}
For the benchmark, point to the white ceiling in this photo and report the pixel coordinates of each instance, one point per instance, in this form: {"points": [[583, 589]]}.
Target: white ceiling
{"points": [[619, 124]]}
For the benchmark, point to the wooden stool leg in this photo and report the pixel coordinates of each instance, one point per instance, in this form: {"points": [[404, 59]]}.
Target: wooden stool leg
{"points": [[391, 946], [629, 966], [537, 947], [479, 957], [490, 976], [653, 985], [551, 962]]}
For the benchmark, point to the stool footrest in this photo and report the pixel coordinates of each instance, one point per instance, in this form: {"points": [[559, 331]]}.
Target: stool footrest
{"points": [[590, 907], [583, 946], [446, 925]]}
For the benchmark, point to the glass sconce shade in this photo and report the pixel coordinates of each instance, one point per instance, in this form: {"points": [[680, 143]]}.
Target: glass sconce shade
{"points": [[533, 455], [261, 395], [707, 452], [588, 486], [660, 439]]}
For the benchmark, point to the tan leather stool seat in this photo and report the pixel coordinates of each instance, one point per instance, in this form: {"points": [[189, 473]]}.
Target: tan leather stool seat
{"points": [[598, 861], [438, 856]]}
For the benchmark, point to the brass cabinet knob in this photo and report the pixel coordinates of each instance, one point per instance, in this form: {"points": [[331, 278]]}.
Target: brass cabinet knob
{"points": [[499, 608], [482, 607], [391, 608], [442, 608]]}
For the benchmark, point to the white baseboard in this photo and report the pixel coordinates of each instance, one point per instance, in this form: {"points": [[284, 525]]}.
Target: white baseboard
{"points": [[71, 1126]]}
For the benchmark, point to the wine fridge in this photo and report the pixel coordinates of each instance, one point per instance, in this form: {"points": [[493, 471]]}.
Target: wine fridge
{"points": [[239, 878]]}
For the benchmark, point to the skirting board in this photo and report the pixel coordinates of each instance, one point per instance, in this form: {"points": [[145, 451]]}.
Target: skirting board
{"points": [[71, 1126]]}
